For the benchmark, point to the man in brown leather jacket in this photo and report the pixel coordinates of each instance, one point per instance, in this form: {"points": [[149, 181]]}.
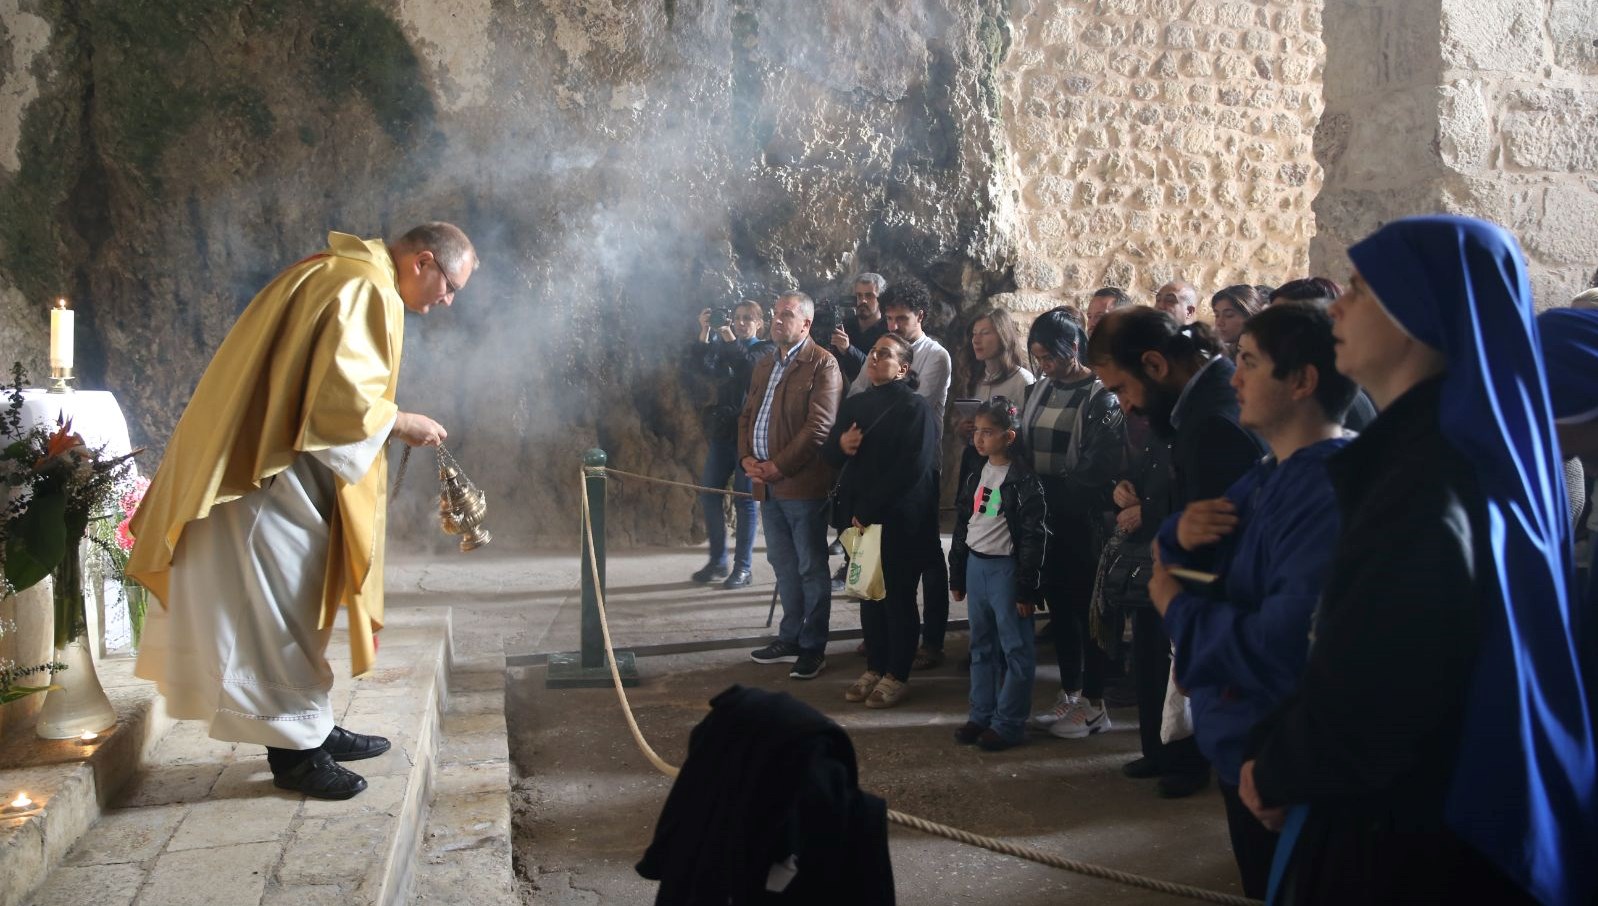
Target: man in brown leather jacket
{"points": [[792, 402]]}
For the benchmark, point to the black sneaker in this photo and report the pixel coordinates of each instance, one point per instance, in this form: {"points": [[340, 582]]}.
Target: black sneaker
{"points": [[1144, 768], [809, 664], [711, 572], [317, 775], [740, 578], [839, 578], [835, 549], [778, 652], [1180, 786], [968, 732]]}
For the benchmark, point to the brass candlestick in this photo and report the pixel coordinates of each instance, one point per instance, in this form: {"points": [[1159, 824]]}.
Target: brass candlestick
{"points": [[462, 506], [60, 380]]}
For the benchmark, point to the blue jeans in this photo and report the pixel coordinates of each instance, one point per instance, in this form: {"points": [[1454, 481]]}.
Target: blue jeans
{"points": [[796, 548], [998, 635], [721, 463]]}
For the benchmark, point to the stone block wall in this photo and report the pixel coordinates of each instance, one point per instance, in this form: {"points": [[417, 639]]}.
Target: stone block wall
{"points": [[1156, 139], [1486, 108]]}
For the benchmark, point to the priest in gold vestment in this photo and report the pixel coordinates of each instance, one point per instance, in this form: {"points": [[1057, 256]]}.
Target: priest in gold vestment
{"points": [[266, 516]]}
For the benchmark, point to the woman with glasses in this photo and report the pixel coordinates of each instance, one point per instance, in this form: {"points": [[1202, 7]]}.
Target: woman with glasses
{"points": [[884, 444]]}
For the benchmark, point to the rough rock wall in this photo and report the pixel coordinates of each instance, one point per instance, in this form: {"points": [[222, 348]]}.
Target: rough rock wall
{"points": [[1153, 139], [620, 165], [1480, 107]]}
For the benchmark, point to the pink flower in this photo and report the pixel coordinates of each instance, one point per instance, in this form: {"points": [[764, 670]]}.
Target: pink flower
{"points": [[132, 497], [124, 535]]}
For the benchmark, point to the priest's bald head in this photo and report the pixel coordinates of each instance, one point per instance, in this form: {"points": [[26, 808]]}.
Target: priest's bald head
{"points": [[433, 262]]}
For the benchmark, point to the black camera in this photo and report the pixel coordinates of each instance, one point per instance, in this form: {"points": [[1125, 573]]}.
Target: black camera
{"points": [[720, 317], [828, 319]]}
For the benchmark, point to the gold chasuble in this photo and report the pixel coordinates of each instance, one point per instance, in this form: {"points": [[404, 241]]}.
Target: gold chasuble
{"points": [[311, 364]]}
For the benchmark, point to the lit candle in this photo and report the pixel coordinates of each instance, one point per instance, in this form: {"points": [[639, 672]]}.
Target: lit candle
{"points": [[21, 802], [60, 335], [88, 738]]}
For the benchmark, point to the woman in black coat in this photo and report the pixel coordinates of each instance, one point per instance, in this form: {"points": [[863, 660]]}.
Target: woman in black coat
{"points": [[884, 441]]}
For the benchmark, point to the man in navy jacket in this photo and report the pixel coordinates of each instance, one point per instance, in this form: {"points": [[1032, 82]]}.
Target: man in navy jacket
{"points": [[1177, 376], [1241, 647]]}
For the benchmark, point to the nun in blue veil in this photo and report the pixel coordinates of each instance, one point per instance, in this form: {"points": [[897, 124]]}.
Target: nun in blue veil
{"points": [[1440, 747], [1570, 354]]}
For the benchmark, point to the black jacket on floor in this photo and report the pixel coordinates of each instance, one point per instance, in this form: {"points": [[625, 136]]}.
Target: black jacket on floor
{"points": [[767, 778]]}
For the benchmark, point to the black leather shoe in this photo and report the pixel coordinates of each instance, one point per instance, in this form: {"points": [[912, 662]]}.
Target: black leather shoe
{"points": [[740, 578], [1144, 768], [346, 746], [710, 572], [968, 732], [320, 777], [1180, 786]]}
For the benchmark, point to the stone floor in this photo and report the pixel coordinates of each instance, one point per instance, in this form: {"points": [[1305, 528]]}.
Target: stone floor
{"points": [[585, 801], [201, 822]]}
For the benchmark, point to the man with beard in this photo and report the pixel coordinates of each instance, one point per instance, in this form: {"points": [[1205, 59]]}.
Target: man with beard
{"points": [[852, 339], [1175, 375]]}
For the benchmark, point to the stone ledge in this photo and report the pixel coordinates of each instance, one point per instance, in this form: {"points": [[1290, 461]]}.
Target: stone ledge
{"points": [[72, 783], [202, 823], [466, 856]]}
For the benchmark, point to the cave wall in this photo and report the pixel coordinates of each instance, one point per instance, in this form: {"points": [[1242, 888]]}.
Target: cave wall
{"points": [[619, 164], [624, 163]]}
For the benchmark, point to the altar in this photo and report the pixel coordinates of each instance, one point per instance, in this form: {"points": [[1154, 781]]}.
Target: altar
{"points": [[27, 617]]}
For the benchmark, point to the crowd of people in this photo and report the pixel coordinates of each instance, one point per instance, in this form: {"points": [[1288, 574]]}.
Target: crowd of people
{"points": [[1337, 525]]}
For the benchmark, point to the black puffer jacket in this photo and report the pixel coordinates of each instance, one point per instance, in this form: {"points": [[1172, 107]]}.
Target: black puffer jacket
{"points": [[1022, 502], [888, 481], [726, 367]]}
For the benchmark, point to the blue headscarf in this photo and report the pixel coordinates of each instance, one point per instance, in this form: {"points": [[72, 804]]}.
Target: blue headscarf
{"points": [[1570, 354], [1525, 785]]}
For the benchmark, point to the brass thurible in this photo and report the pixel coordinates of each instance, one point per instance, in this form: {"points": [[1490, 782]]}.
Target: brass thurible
{"points": [[462, 506]]}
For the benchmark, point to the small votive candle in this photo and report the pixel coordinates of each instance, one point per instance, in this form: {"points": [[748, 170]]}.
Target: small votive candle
{"points": [[88, 738], [20, 804]]}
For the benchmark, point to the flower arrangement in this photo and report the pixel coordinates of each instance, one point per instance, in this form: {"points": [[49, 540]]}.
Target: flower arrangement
{"points": [[56, 486], [115, 544]]}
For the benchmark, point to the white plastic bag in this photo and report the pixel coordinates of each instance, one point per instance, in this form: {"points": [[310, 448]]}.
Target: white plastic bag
{"points": [[864, 580], [1176, 721]]}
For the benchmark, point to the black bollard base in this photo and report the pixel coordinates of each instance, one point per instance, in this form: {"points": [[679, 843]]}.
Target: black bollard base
{"points": [[566, 671]]}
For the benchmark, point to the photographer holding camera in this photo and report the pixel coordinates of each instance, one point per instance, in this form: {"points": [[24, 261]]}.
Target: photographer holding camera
{"points": [[729, 345], [852, 337]]}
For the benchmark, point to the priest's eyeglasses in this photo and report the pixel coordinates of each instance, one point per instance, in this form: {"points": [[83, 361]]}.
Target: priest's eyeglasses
{"points": [[448, 283]]}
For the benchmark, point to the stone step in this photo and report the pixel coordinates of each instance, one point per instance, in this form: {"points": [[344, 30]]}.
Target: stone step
{"points": [[71, 783], [202, 823], [466, 851]]}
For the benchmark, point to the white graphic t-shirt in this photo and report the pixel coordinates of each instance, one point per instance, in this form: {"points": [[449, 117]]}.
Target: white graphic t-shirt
{"points": [[988, 532]]}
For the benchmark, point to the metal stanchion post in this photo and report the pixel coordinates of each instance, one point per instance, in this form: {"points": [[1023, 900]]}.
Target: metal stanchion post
{"points": [[588, 668]]}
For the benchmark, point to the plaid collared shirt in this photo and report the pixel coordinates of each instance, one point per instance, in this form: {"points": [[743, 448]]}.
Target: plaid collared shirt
{"points": [[761, 441]]}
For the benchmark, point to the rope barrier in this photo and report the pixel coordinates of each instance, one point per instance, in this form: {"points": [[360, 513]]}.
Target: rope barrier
{"points": [[607, 470], [911, 821]]}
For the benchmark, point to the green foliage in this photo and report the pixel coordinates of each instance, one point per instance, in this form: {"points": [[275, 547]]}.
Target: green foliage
{"points": [[36, 540]]}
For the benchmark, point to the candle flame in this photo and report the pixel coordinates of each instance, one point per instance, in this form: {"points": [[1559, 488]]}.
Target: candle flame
{"points": [[89, 735], [22, 801], [61, 304]]}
